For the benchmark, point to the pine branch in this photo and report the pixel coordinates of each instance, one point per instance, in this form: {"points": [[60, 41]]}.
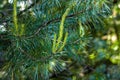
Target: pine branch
{"points": [[25, 53], [55, 20], [43, 59]]}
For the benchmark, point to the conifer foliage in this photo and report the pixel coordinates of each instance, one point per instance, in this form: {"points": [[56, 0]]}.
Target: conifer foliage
{"points": [[49, 37]]}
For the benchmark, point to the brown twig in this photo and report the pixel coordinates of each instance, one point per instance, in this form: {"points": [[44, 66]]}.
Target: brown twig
{"points": [[54, 20]]}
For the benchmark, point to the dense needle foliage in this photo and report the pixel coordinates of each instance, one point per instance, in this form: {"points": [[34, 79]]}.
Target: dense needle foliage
{"points": [[55, 40]]}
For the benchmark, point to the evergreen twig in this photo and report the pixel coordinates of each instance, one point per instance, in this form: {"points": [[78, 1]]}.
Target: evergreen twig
{"points": [[54, 20]]}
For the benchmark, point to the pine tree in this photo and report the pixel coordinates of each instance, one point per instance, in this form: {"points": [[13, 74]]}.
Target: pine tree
{"points": [[49, 39]]}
